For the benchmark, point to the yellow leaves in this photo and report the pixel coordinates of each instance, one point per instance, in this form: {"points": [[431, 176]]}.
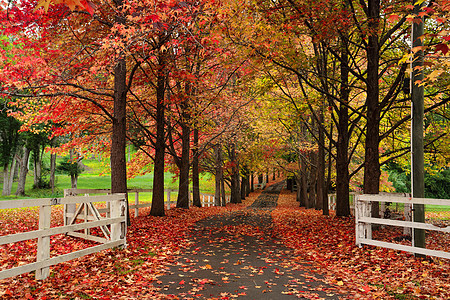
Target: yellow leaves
{"points": [[43, 3], [406, 58], [434, 75]]}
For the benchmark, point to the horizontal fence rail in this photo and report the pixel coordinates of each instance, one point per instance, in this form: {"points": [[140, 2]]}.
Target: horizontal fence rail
{"points": [[207, 200], [364, 222], [115, 223]]}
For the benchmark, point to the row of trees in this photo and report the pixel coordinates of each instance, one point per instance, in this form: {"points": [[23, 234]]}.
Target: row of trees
{"points": [[22, 151], [340, 78], [147, 73], [231, 87], [18, 151]]}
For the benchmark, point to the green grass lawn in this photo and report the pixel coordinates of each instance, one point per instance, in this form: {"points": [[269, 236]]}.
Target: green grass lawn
{"points": [[91, 179]]}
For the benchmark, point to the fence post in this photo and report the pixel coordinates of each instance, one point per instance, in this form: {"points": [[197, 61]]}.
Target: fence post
{"points": [[136, 203], [43, 245], [367, 212], [118, 230], [69, 209], [359, 227], [407, 213], [168, 199]]}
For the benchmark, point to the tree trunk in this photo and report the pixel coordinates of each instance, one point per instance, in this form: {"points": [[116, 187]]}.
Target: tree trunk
{"points": [[303, 184], [6, 180], [235, 192], [157, 208], [329, 164], [222, 191], [73, 177], [417, 139], [243, 187], [299, 190], [195, 173], [23, 172], [183, 186], [37, 170], [119, 132], [52, 171], [322, 199], [372, 171], [74, 181], [260, 178], [219, 174], [252, 182], [247, 185], [342, 174], [313, 181]]}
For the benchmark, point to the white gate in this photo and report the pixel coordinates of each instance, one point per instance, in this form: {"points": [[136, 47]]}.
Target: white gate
{"points": [[114, 236]]}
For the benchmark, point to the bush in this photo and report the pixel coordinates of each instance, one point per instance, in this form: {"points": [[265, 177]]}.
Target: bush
{"points": [[437, 183]]}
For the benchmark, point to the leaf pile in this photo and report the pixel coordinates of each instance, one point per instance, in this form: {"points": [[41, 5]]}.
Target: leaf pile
{"points": [[322, 244], [110, 274], [366, 273]]}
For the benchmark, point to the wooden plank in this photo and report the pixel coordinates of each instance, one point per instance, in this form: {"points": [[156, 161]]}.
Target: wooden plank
{"points": [[142, 205], [406, 248], [10, 204], [89, 199], [17, 237], [88, 237], [396, 199], [103, 191], [43, 243], [140, 190], [24, 203], [404, 224], [89, 218], [97, 215], [58, 259], [76, 213], [118, 209], [87, 191], [136, 203]]}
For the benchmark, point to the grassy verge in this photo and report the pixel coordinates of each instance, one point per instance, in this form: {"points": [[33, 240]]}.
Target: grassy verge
{"points": [[94, 178]]}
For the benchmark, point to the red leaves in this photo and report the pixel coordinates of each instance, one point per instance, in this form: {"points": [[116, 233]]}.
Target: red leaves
{"points": [[442, 48], [152, 244], [366, 273], [72, 4]]}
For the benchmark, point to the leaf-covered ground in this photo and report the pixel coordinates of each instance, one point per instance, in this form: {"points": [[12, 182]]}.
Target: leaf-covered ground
{"points": [[364, 273], [321, 245]]}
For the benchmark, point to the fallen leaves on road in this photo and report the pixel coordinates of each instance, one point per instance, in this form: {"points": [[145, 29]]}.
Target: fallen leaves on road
{"points": [[363, 273], [326, 243], [111, 274]]}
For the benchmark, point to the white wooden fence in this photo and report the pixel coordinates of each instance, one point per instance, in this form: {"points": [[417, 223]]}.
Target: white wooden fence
{"points": [[364, 221], [332, 201], [207, 200], [114, 235]]}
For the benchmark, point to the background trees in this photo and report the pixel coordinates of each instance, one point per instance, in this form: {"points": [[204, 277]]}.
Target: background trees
{"points": [[188, 83]]}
